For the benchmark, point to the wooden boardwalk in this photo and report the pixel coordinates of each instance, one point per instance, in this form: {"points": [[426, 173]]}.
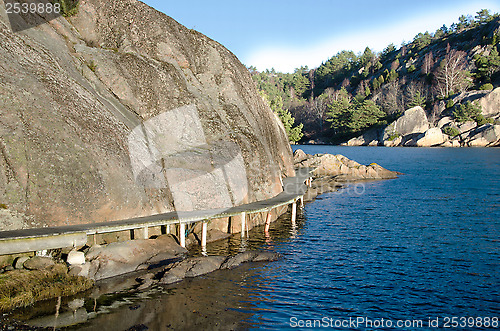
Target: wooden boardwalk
{"points": [[38, 239]]}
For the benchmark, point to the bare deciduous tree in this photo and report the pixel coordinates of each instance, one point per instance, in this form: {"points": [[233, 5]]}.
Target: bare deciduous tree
{"points": [[451, 75], [427, 64]]}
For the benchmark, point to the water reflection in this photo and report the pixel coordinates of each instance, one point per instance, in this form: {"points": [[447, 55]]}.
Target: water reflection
{"points": [[225, 299]]}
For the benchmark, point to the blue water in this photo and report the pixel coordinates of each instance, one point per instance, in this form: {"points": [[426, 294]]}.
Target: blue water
{"points": [[422, 248], [425, 245]]}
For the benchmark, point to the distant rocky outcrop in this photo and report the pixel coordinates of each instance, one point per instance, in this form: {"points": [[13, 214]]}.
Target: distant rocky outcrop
{"points": [[332, 172], [341, 167], [414, 129], [120, 111]]}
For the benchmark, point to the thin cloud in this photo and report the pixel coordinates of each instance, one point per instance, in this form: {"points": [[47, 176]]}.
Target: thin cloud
{"points": [[288, 58]]}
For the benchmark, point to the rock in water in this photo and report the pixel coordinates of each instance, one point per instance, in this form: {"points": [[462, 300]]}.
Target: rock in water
{"points": [[342, 168], [123, 257], [120, 111]]}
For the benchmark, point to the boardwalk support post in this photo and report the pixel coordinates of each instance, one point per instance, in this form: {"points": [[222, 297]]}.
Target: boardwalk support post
{"points": [[294, 211], [268, 221], [182, 234], [144, 233], [243, 224], [204, 227]]}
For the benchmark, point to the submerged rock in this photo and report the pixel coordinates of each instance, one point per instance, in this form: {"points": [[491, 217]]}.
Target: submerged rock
{"points": [[197, 266], [122, 257]]}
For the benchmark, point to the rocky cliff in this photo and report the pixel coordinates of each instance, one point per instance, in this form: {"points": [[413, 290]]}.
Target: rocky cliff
{"points": [[119, 112]]}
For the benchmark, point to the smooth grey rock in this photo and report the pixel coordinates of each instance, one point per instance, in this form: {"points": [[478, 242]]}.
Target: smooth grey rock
{"points": [[192, 267], [19, 263], [487, 135], [432, 137], [266, 256], [205, 265], [369, 138], [75, 257], [413, 120], [466, 126], [234, 261], [444, 121], [122, 257], [490, 103], [82, 270], [344, 168], [38, 263]]}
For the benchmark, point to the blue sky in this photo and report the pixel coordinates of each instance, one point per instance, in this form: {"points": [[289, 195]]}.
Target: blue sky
{"points": [[288, 34]]}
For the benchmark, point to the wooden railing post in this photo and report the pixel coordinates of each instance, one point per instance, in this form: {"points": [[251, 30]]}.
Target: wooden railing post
{"points": [[182, 234], [243, 224]]}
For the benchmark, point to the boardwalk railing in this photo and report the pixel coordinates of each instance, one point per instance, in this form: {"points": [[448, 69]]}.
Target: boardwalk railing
{"points": [[38, 239]]}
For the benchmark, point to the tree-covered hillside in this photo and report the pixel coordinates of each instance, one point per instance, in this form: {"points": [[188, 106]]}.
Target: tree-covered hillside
{"points": [[351, 92]]}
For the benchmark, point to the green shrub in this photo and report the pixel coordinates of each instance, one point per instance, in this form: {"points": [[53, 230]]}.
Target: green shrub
{"points": [[393, 136], [487, 86], [92, 65], [451, 131], [449, 104], [68, 7], [467, 112], [481, 120], [3, 206]]}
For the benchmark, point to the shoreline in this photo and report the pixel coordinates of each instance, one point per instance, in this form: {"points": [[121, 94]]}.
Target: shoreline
{"points": [[321, 183]]}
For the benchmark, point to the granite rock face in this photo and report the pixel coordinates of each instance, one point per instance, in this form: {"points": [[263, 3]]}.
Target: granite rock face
{"points": [[121, 112]]}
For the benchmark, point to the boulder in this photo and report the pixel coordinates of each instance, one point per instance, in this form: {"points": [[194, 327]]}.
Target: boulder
{"points": [[83, 270], [451, 143], [266, 256], [490, 103], [431, 137], [234, 261], [204, 265], [369, 138], [299, 156], [344, 169], [191, 267], [394, 142], [39, 263], [75, 257], [487, 135], [122, 257], [19, 262], [413, 120], [444, 121], [466, 126]]}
